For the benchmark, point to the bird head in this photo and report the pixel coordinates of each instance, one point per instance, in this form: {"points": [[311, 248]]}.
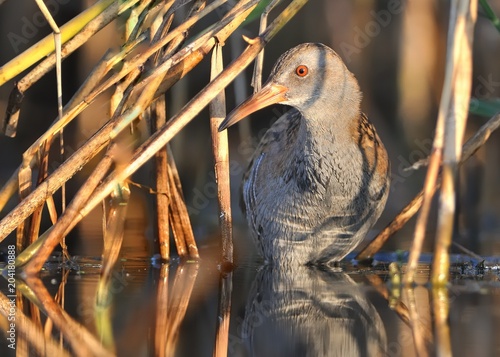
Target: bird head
{"points": [[303, 76]]}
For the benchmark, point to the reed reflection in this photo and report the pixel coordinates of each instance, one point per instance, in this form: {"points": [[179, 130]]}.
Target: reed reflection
{"points": [[172, 307]]}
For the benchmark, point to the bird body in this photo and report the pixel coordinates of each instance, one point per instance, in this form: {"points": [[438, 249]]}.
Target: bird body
{"points": [[319, 178]]}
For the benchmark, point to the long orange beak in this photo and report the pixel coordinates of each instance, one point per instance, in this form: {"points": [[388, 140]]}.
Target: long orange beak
{"points": [[271, 93]]}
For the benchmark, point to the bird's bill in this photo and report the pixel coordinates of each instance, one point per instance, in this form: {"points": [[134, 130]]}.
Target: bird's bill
{"points": [[271, 93]]}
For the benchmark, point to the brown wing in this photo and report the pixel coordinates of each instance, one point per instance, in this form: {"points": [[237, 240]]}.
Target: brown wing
{"points": [[373, 151]]}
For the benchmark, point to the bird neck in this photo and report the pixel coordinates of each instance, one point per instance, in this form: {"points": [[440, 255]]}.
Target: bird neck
{"points": [[331, 122]]}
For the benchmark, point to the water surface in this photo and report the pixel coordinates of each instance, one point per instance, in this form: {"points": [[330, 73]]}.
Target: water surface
{"points": [[177, 309]]}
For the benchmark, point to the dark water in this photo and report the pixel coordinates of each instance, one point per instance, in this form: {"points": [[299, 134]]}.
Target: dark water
{"points": [[152, 309]]}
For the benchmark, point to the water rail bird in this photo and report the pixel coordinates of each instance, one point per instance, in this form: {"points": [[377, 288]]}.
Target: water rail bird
{"points": [[319, 179]]}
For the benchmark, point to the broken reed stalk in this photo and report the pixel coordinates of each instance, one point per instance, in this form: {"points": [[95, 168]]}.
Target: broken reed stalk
{"points": [[220, 148], [182, 62], [171, 206], [162, 187], [178, 214], [158, 117], [464, 13], [436, 157]]}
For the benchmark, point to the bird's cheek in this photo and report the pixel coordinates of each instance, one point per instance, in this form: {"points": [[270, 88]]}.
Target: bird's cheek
{"points": [[297, 101]]}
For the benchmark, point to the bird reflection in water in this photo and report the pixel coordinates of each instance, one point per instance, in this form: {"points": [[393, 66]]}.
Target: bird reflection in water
{"points": [[309, 312]]}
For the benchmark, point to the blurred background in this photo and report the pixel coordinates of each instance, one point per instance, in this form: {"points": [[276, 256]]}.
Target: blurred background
{"points": [[395, 48]]}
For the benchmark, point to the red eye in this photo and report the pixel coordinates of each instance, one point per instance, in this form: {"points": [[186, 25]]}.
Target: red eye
{"points": [[302, 70]]}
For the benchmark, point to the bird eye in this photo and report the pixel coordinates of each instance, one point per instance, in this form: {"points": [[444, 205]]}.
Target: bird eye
{"points": [[302, 70]]}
